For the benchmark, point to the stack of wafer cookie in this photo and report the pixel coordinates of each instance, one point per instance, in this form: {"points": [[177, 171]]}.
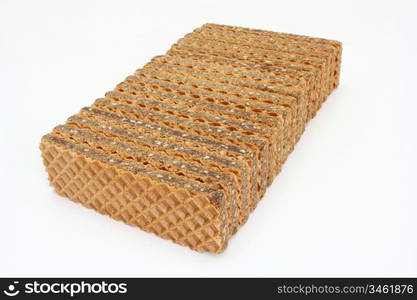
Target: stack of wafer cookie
{"points": [[186, 146]]}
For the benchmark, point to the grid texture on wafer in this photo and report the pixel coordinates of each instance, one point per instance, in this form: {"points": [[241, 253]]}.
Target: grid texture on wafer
{"points": [[186, 146], [171, 212]]}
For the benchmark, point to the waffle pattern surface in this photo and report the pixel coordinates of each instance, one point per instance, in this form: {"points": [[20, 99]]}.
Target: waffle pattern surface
{"points": [[186, 146]]}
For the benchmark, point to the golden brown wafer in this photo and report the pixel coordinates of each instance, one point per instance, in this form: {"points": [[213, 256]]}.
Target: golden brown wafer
{"points": [[186, 146]]}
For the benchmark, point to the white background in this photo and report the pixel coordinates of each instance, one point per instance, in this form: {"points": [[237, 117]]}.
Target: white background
{"points": [[343, 205]]}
